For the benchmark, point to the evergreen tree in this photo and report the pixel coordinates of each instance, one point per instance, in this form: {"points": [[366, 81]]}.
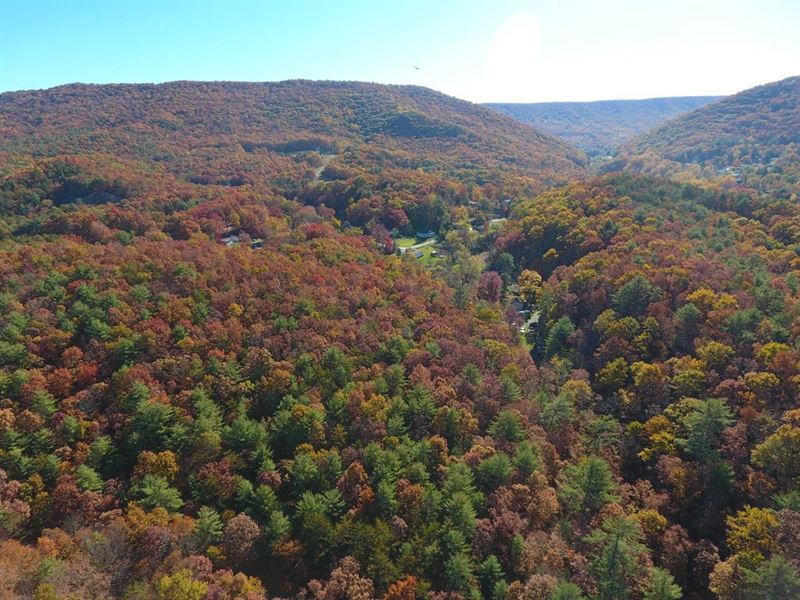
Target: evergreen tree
{"points": [[616, 559], [509, 389], [493, 472], [775, 578], [507, 426], [556, 341], [588, 485], [490, 573], [459, 479], [460, 513], [154, 491], [88, 479], [458, 574], [43, 403], [526, 459], [567, 591], [633, 298], [208, 528], [704, 425], [662, 586]]}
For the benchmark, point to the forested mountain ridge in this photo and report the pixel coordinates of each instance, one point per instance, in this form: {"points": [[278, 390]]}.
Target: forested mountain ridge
{"points": [[600, 127], [398, 157], [262, 134], [276, 115], [752, 137]]}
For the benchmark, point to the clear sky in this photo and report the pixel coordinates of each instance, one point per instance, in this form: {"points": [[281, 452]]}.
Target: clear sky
{"points": [[490, 50]]}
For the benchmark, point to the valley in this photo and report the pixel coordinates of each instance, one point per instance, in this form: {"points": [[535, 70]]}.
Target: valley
{"points": [[600, 127]]}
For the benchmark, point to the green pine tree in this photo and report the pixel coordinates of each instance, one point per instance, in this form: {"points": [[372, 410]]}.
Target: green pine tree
{"points": [[662, 586]]}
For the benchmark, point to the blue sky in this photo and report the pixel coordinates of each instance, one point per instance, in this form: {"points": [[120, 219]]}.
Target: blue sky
{"points": [[493, 50]]}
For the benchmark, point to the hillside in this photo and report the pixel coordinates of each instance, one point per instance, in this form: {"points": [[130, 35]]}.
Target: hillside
{"points": [[150, 120], [304, 139], [599, 128], [680, 304], [752, 137]]}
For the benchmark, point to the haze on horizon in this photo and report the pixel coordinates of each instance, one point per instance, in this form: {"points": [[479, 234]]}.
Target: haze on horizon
{"points": [[503, 51]]}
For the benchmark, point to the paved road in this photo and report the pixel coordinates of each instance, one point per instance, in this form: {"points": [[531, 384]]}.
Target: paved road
{"points": [[429, 242]]}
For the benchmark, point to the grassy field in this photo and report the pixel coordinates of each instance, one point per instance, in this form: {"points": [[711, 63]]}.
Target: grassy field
{"points": [[427, 258], [405, 242], [426, 250], [496, 223], [525, 344]]}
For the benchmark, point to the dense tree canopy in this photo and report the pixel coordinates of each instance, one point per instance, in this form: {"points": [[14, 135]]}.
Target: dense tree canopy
{"points": [[218, 380]]}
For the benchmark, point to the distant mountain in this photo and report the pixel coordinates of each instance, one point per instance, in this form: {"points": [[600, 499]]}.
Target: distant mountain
{"points": [[600, 127], [408, 126], [373, 153], [753, 137]]}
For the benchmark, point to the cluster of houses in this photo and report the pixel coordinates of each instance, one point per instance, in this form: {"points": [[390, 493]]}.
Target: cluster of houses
{"points": [[428, 238]]}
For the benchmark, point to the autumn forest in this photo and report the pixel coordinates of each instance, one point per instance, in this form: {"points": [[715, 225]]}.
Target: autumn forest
{"points": [[345, 341]]}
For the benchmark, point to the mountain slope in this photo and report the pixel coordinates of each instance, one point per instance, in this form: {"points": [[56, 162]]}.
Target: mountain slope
{"points": [[600, 127], [161, 122], [679, 301], [381, 152], [753, 135]]}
